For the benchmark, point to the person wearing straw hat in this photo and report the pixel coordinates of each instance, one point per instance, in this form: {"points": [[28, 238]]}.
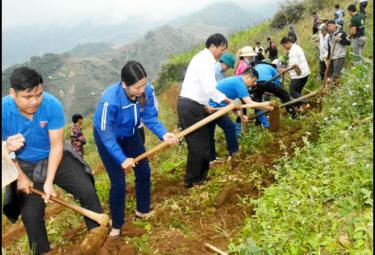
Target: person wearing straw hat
{"points": [[246, 57]]}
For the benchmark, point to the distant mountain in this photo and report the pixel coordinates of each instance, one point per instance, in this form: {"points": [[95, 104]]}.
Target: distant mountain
{"points": [[91, 49], [21, 43], [79, 76], [222, 14]]}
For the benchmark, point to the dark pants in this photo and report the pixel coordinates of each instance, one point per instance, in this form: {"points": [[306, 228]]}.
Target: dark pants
{"points": [[362, 8], [296, 86], [229, 129], [272, 88], [72, 178], [142, 133], [198, 159], [322, 69], [315, 30], [131, 147]]}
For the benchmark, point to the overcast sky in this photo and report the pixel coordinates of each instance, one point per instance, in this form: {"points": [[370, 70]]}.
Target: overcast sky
{"points": [[71, 12]]}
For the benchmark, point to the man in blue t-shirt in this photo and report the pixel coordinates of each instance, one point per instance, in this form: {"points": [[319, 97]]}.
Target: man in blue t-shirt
{"points": [[235, 87], [266, 72], [33, 131]]}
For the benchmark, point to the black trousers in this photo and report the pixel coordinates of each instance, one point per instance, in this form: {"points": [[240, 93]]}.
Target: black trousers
{"points": [[190, 112], [296, 86], [72, 178], [362, 8], [322, 69], [277, 90]]}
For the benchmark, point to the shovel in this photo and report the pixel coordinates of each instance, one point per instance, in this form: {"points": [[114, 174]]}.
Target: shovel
{"points": [[9, 174]]}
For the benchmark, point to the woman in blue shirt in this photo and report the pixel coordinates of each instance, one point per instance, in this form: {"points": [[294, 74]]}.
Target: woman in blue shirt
{"points": [[116, 120]]}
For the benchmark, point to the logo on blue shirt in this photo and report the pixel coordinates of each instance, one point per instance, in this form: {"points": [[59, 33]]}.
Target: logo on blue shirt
{"points": [[43, 123]]}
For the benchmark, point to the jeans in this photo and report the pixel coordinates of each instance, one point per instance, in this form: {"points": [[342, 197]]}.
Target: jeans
{"points": [[72, 178], [230, 135], [131, 147], [198, 159]]}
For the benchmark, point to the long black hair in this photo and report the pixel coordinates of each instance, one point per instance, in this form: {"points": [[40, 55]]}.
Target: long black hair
{"points": [[131, 73]]}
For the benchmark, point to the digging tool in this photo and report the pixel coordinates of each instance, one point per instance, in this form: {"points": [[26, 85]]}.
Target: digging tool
{"points": [[288, 103], [328, 64], [9, 170], [189, 130], [295, 67], [274, 119], [100, 218], [214, 249]]}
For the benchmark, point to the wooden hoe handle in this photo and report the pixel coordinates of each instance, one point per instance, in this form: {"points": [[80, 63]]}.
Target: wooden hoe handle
{"points": [[100, 218], [188, 130]]}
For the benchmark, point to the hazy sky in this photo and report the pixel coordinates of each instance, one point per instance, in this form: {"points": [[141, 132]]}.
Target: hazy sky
{"points": [[71, 12]]}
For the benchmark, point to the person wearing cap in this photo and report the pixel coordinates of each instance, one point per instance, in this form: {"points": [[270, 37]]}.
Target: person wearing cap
{"points": [[337, 43], [198, 87], [322, 45], [357, 31], [296, 57], [235, 87], [246, 58], [225, 62]]}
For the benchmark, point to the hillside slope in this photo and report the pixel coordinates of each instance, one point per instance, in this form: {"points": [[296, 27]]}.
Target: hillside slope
{"points": [[307, 189]]}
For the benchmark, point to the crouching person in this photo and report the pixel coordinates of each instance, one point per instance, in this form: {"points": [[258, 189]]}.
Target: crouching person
{"points": [[235, 87], [33, 128]]}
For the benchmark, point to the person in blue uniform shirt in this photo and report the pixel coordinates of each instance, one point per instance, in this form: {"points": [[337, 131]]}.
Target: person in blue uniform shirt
{"points": [[235, 87], [116, 120], [33, 130]]}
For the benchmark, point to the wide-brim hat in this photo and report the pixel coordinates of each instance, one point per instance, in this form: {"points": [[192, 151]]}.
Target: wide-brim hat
{"points": [[248, 52]]}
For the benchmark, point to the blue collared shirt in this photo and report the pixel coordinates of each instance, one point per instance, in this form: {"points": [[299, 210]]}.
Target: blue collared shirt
{"points": [[49, 116], [266, 72], [233, 88]]}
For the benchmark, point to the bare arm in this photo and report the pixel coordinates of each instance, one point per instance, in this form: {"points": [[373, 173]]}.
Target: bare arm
{"points": [[55, 155]]}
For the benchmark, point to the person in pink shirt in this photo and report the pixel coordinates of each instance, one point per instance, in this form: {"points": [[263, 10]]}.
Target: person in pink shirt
{"points": [[246, 56]]}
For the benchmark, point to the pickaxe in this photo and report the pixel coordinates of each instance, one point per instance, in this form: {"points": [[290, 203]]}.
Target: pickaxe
{"points": [[9, 174]]}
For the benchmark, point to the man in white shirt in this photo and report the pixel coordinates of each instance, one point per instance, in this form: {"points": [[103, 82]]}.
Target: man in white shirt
{"points": [[198, 87], [322, 44], [296, 57]]}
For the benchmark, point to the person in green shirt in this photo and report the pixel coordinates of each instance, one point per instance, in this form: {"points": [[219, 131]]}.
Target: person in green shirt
{"points": [[356, 32]]}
